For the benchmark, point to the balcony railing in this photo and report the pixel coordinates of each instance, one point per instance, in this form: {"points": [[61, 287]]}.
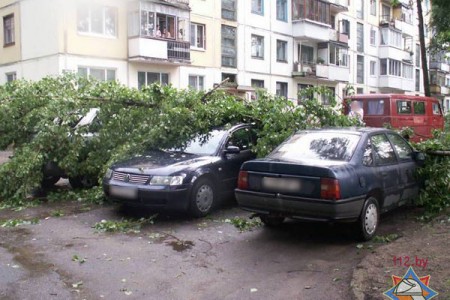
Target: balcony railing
{"points": [[186, 2], [178, 50]]}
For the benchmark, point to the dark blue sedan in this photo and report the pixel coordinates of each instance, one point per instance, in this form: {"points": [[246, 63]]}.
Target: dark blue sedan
{"points": [[332, 175]]}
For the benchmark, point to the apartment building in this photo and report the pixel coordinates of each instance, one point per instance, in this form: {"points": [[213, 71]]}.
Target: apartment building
{"points": [[279, 45]]}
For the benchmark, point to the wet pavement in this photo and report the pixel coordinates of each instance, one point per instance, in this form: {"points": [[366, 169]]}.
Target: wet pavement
{"points": [[174, 258]]}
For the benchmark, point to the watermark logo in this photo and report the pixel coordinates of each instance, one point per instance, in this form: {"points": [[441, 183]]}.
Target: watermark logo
{"points": [[410, 287]]}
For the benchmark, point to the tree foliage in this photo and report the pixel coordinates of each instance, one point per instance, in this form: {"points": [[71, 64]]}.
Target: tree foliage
{"points": [[38, 119], [440, 23]]}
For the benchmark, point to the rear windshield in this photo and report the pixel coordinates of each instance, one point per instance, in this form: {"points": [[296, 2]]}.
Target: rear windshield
{"points": [[329, 146]]}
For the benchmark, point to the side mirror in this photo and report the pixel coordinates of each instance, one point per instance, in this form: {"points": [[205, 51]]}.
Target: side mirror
{"points": [[232, 150], [419, 157]]}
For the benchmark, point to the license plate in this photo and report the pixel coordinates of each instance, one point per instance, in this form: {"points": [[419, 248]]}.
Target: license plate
{"points": [[281, 184], [121, 192]]}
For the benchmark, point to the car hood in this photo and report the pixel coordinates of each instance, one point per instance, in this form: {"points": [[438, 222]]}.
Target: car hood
{"points": [[162, 163]]}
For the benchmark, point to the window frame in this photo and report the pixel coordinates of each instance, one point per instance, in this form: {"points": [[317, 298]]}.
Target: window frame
{"points": [[194, 34], [261, 7], [9, 31], [285, 54], [89, 31], [105, 70], [233, 10], [282, 84], [399, 105], [284, 7], [256, 83], [197, 86], [13, 74], [397, 152], [261, 38], [373, 7], [231, 49], [160, 80], [373, 68], [376, 157]]}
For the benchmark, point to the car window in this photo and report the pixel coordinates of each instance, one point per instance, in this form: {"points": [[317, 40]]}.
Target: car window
{"points": [[205, 144], [384, 153], [436, 109], [332, 146], [419, 107], [375, 107], [403, 107], [240, 138], [404, 151], [368, 155]]}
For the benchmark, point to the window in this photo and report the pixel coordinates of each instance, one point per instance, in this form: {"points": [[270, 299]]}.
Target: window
{"points": [[101, 74], [147, 78], [395, 67], [11, 76], [231, 77], [417, 80], [383, 66], [373, 37], [304, 92], [436, 109], [385, 13], [338, 55], [229, 9], [360, 37], [241, 138], [360, 9], [403, 107], [100, 20], [346, 27], [417, 55], [314, 10], [257, 46], [373, 7], [258, 7], [360, 69], [404, 151], [419, 107], [229, 46], [391, 37], [281, 51], [307, 54], [282, 89], [327, 96], [384, 153], [408, 71], [368, 155], [375, 107], [282, 10], [258, 84], [198, 36], [373, 67], [196, 82], [8, 30], [359, 91]]}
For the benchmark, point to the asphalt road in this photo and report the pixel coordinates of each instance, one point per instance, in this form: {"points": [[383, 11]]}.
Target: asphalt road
{"points": [[174, 258]]}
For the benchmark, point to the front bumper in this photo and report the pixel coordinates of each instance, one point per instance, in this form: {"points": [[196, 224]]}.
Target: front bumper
{"points": [[160, 198], [301, 208]]}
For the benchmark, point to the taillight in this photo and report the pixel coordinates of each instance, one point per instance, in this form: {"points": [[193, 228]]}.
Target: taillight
{"points": [[330, 189], [243, 180]]}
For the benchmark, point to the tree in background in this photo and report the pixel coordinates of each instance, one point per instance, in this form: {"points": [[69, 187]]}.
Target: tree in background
{"points": [[440, 23]]}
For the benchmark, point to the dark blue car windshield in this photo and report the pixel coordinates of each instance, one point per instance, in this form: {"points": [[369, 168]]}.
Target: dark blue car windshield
{"points": [[331, 146]]}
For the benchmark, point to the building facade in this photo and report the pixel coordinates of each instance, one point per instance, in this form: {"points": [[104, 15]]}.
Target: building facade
{"points": [[279, 45]]}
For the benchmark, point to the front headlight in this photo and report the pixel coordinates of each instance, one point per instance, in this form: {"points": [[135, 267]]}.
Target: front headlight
{"points": [[167, 180], [108, 173]]}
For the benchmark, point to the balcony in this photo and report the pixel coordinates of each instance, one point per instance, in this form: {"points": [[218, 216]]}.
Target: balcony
{"points": [[321, 71], [153, 49], [435, 89], [337, 36], [440, 66], [396, 82], [310, 30]]}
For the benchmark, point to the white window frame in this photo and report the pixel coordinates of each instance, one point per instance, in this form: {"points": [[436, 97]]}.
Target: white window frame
{"points": [[160, 74], [195, 37], [373, 68], [89, 31], [408, 71], [104, 70], [283, 59], [257, 41], [255, 10], [394, 68], [198, 78], [285, 12], [373, 7]]}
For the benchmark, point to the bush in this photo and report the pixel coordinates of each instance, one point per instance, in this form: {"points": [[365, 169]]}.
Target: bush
{"points": [[38, 118]]}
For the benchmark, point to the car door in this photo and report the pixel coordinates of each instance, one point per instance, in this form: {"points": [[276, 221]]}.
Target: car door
{"points": [[406, 167], [243, 138], [386, 169]]}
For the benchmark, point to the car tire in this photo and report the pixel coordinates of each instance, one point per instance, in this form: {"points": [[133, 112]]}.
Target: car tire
{"points": [[271, 221], [80, 182], [49, 181], [367, 224], [202, 198]]}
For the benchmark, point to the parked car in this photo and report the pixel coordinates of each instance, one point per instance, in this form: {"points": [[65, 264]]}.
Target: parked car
{"points": [[190, 179], [332, 175], [52, 172], [422, 114]]}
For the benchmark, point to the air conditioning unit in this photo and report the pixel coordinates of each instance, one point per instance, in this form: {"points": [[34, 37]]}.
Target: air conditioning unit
{"points": [[307, 69]]}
